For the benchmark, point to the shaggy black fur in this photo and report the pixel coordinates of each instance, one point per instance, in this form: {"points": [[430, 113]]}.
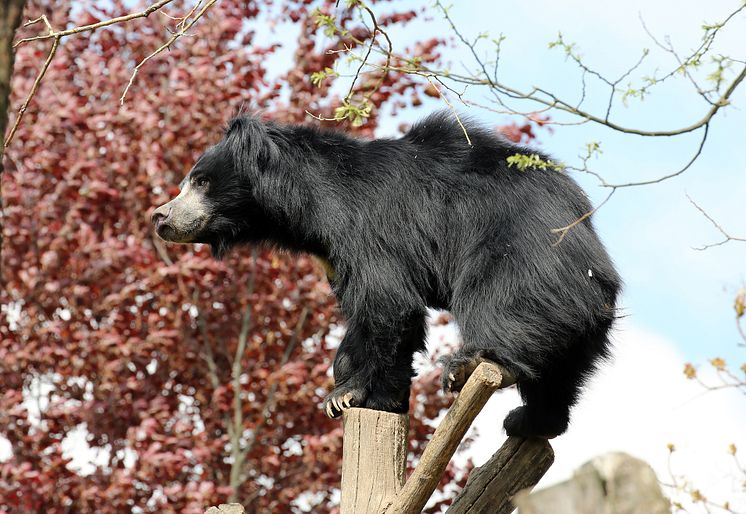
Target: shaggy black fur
{"points": [[426, 221]]}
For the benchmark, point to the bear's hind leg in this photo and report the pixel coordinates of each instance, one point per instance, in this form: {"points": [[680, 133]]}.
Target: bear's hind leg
{"points": [[549, 397]]}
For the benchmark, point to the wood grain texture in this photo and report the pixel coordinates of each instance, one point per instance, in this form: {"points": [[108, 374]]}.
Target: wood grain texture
{"points": [[374, 459], [518, 465]]}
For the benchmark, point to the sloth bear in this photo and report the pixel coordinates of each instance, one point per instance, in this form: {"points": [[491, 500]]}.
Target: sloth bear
{"points": [[426, 220]]}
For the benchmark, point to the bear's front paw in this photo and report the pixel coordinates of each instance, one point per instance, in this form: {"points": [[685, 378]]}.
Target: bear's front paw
{"points": [[457, 369], [342, 398]]}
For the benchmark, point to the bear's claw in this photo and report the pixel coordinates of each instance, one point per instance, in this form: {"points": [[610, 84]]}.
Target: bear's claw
{"points": [[343, 398], [458, 368]]}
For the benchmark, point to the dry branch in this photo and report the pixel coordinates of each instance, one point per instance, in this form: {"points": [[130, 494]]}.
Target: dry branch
{"points": [[185, 26], [727, 237], [519, 464], [93, 26]]}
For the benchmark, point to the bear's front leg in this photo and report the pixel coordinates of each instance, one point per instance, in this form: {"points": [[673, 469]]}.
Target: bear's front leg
{"points": [[373, 369], [351, 383]]}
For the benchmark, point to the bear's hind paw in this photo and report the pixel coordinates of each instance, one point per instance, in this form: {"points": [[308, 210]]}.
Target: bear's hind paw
{"points": [[520, 423]]}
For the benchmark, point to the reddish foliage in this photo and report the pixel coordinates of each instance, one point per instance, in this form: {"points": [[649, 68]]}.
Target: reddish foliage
{"points": [[109, 333], [524, 133]]}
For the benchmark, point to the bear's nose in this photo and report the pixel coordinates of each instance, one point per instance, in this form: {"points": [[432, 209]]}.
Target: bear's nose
{"points": [[160, 215]]}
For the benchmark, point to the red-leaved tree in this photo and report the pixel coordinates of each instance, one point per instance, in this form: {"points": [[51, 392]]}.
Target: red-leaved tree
{"points": [[191, 381]]}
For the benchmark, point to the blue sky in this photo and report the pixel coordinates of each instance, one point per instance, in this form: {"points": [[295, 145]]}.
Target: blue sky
{"points": [[670, 288]]}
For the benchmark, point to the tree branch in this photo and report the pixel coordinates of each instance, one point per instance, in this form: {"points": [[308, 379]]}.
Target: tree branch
{"points": [[180, 32], [37, 81], [554, 102], [727, 237], [93, 26], [237, 421], [518, 465]]}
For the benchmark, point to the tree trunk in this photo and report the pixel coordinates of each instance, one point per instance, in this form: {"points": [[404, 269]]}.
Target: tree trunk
{"points": [[10, 17]]}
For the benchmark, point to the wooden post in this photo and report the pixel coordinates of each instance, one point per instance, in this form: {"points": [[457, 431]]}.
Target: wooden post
{"points": [[374, 459]]}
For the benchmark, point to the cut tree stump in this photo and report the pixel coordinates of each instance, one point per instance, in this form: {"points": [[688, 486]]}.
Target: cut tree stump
{"points": [[227, 508], [374, 459]]}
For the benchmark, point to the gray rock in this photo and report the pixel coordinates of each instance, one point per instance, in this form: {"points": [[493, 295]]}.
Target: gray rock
{"points": [[614, 483]]}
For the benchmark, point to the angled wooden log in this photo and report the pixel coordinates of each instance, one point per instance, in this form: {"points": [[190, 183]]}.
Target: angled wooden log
{"points": [[518, 465]]}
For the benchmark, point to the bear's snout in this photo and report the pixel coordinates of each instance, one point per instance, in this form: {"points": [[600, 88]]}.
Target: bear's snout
{"points": [[184, 218], [160, 215]]}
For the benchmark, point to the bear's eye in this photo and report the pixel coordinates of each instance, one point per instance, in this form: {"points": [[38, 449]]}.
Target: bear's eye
{"points": [[201, 181]]}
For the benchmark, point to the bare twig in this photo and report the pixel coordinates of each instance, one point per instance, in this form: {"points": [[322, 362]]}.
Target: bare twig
{"points": [[727, 237], [37, 81], [93, 26], [450, 106], [562, 231], [685, 487], [668, 176], [175, 36], [342, 112], [388, 54]]}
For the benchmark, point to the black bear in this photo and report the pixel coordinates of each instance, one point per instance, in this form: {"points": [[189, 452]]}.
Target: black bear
{"points": [[426, 220]]}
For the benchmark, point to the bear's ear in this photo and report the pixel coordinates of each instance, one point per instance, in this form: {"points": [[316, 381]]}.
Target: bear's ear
{"points": [[254, 151]]}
